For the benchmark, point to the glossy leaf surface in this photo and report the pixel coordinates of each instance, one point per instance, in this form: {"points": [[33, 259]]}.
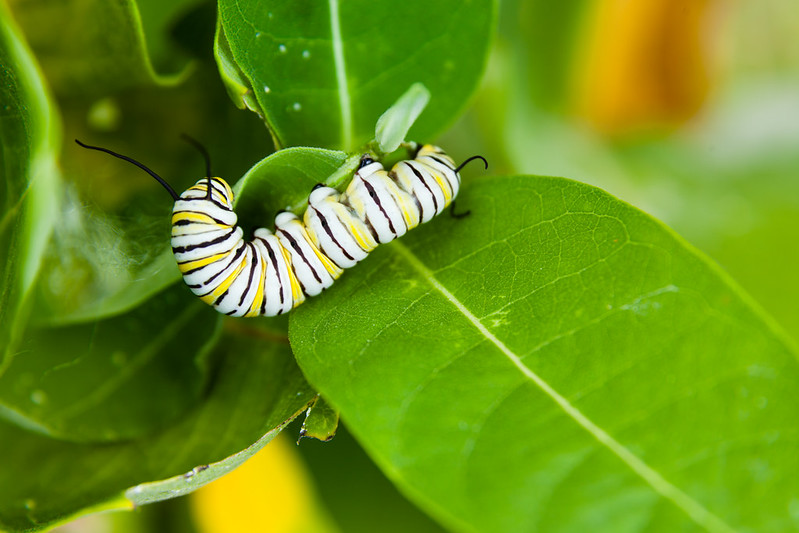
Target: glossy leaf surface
{"points": [[323, 72], [559, 361]]}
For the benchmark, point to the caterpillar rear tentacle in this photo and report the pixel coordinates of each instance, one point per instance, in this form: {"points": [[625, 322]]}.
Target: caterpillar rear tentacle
{"points": [[275, 271]]}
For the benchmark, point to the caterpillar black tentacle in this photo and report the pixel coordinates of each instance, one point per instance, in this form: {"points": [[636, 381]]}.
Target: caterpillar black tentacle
{"points": [[206, 157], [158, 178], [276, 271]]}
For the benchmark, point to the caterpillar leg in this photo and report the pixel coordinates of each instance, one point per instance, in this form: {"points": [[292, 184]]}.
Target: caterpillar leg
{"points": [[453, 214]]}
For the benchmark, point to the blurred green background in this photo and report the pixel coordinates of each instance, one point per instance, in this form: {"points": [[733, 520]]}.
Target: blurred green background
{"points": [[687, 109]]}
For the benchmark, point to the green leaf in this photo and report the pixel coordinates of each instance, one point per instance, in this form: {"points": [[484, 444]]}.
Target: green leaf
{"points": [[112, 379], [321, 421], [256, 391], [102, 49], [393, 125], [560, 361], [122, 289], [161, 28], [284, 180], [233, 78], [31, 187], [322, 73]]}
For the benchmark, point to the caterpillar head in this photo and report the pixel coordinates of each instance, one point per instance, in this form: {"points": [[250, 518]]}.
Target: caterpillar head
{"points": [[367, 166], [207, 202]]}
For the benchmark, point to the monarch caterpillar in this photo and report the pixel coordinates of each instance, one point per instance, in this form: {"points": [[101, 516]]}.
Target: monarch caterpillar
{"points": [[275, 271]]}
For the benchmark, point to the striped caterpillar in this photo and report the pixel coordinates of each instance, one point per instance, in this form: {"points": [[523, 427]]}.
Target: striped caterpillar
{"points": [[274, 272]]}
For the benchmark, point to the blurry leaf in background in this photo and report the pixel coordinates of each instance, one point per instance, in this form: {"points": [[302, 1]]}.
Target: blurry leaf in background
{"points": [[272, 492], [355, 492], [545, 38], [172, 31], [29, 198], [322, 74], [114, 379], [760, 39], [257, 389], [101, 50]]}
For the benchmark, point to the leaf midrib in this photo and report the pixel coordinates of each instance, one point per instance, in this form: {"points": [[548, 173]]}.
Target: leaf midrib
{"points": [[659, 484], [341, 76]]}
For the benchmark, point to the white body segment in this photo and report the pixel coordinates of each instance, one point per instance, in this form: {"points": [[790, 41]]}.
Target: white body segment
{"points": [[314, 270], [336, 230]]}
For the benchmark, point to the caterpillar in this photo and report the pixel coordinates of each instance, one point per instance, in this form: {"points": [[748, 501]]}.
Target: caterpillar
{"points": [[275, 271]]}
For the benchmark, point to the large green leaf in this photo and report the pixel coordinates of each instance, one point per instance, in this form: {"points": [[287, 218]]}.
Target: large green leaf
{"points": [[257, 389], [31, 188], [559, 361], [322, 73]]}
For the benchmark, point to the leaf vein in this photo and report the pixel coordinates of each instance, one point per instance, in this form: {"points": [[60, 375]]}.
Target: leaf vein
{"points": [[341, 76], [659, 484]]}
